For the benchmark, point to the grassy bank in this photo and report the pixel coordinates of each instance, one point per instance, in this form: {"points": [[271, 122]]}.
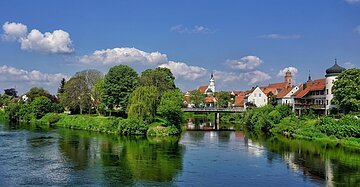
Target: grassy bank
{"points": [[110, 125], [280, 120]]}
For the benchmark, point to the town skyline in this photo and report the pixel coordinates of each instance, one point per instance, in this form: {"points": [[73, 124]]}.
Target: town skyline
{"points": [[238, 41]]}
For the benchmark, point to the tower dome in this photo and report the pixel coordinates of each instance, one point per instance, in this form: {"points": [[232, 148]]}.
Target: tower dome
{"points": [[334, 70]]}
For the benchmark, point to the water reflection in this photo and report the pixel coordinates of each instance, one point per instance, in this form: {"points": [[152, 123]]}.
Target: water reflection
{"points": [[203, 123], [124, 160]]}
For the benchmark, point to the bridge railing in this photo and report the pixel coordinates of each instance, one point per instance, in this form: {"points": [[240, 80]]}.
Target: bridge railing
{"points": [[212, 109]]}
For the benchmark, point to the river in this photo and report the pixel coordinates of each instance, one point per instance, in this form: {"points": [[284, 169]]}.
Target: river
{"points": [[34, 155]]}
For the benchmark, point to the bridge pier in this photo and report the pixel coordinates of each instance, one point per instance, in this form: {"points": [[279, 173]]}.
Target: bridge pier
{"points": [[217, 120]]}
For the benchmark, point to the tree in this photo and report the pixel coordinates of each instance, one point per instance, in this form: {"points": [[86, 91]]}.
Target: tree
{"points": [[346, 90], [170, 107], [197, 97], [78, 91], [120, 82], [11, 92], [223, 99], [62, 86], [272, 99], [143, 103], [98, 92], [162, 78], [41, 106], [38, 92]]}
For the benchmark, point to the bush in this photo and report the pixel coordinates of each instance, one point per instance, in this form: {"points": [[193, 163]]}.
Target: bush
{"points": [[347, 126], [159, 130], [132, 126]]}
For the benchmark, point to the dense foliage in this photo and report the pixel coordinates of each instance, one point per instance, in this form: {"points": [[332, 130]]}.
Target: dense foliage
{"points": [[197, 98], [223, 99], [346, 90], [119, 84], [161, 78], [143, 103], [170, 108]]}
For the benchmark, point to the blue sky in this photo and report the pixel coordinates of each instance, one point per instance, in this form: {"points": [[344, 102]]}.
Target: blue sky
{"points": [[244, 43]]}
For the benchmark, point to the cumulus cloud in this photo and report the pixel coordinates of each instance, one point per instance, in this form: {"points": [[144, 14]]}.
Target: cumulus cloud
{"points": [[352, 1], [197, 29], [14, 31], [57, 41], [12, 74], [184, 71], [245, 63], [255, 77], [251, 78], [282, 72], [281, 36], [123, 56], [23, 79]]}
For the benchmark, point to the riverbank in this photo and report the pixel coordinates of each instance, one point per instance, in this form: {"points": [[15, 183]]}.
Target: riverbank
{"points": [[280, 120]]}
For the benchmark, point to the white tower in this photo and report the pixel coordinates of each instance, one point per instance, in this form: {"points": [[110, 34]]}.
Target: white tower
{"points": [[331, 74], [211, 88]]}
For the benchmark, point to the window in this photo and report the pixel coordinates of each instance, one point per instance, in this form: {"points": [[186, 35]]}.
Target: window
{"points": [[327, 102], [259, 94], [327, 91]]}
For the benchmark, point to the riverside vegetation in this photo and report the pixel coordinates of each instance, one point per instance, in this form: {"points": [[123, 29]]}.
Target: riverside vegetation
{"points": [[121, 102]]}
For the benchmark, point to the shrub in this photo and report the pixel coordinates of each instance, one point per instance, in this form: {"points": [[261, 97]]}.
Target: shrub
{"points": [[347, 126], [132, 126]]}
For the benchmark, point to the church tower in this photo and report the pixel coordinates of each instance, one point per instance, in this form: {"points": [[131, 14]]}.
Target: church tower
{"points": [[211, 88], [288, 78]]}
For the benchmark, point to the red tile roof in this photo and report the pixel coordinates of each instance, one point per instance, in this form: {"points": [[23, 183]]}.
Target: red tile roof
{"points": [[279, 85], [283, 92], [315, 85], [267, 90], [210, 99], [202, 88], [239, 101]]}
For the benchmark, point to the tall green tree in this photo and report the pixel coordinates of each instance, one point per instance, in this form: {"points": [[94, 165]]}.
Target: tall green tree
{"points": [[346, 90], [160, 77], [78, 92], [143, 103], [35, 92], [62, 86], [98, 92], [223, 99], [41, 106], [120, 82], [170, 107], [197, 97]]}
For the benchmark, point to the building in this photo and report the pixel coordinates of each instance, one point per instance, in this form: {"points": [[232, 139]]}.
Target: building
{"points": [[330, 77], [284, 97], [317, 94], [256, 97], [210, 89]]}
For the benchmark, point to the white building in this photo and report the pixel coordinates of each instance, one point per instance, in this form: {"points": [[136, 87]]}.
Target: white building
{"points": [[256, 97], [285, 97], [330, 77]]}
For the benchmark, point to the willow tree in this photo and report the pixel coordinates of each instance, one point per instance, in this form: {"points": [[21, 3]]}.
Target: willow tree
{"points": [[143, 103]]}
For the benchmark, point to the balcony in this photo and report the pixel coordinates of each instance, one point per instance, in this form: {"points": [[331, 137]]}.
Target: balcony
{"points": [[309, 106]]}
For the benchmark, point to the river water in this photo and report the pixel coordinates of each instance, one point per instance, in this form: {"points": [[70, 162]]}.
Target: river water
{"points": [[31, 155]]}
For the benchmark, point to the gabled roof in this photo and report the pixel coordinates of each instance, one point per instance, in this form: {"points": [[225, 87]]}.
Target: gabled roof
{"points": [[315, 85], [279, 85], [267, 90], [283, 92], [239, 101], [202, 88], [210, 99]]}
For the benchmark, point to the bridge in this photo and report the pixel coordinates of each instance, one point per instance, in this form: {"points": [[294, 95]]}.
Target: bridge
{"points": [[215, 110]]}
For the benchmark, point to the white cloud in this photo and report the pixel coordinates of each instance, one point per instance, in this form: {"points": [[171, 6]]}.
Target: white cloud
{"points": [[352, 1], [14, 31], [281, 37], [245, 63], [184, 71], [123, 56], [282, 72], [23, 79], [350, 65], [57, 41], [237, 79], [197, 29], [256, 77]]}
